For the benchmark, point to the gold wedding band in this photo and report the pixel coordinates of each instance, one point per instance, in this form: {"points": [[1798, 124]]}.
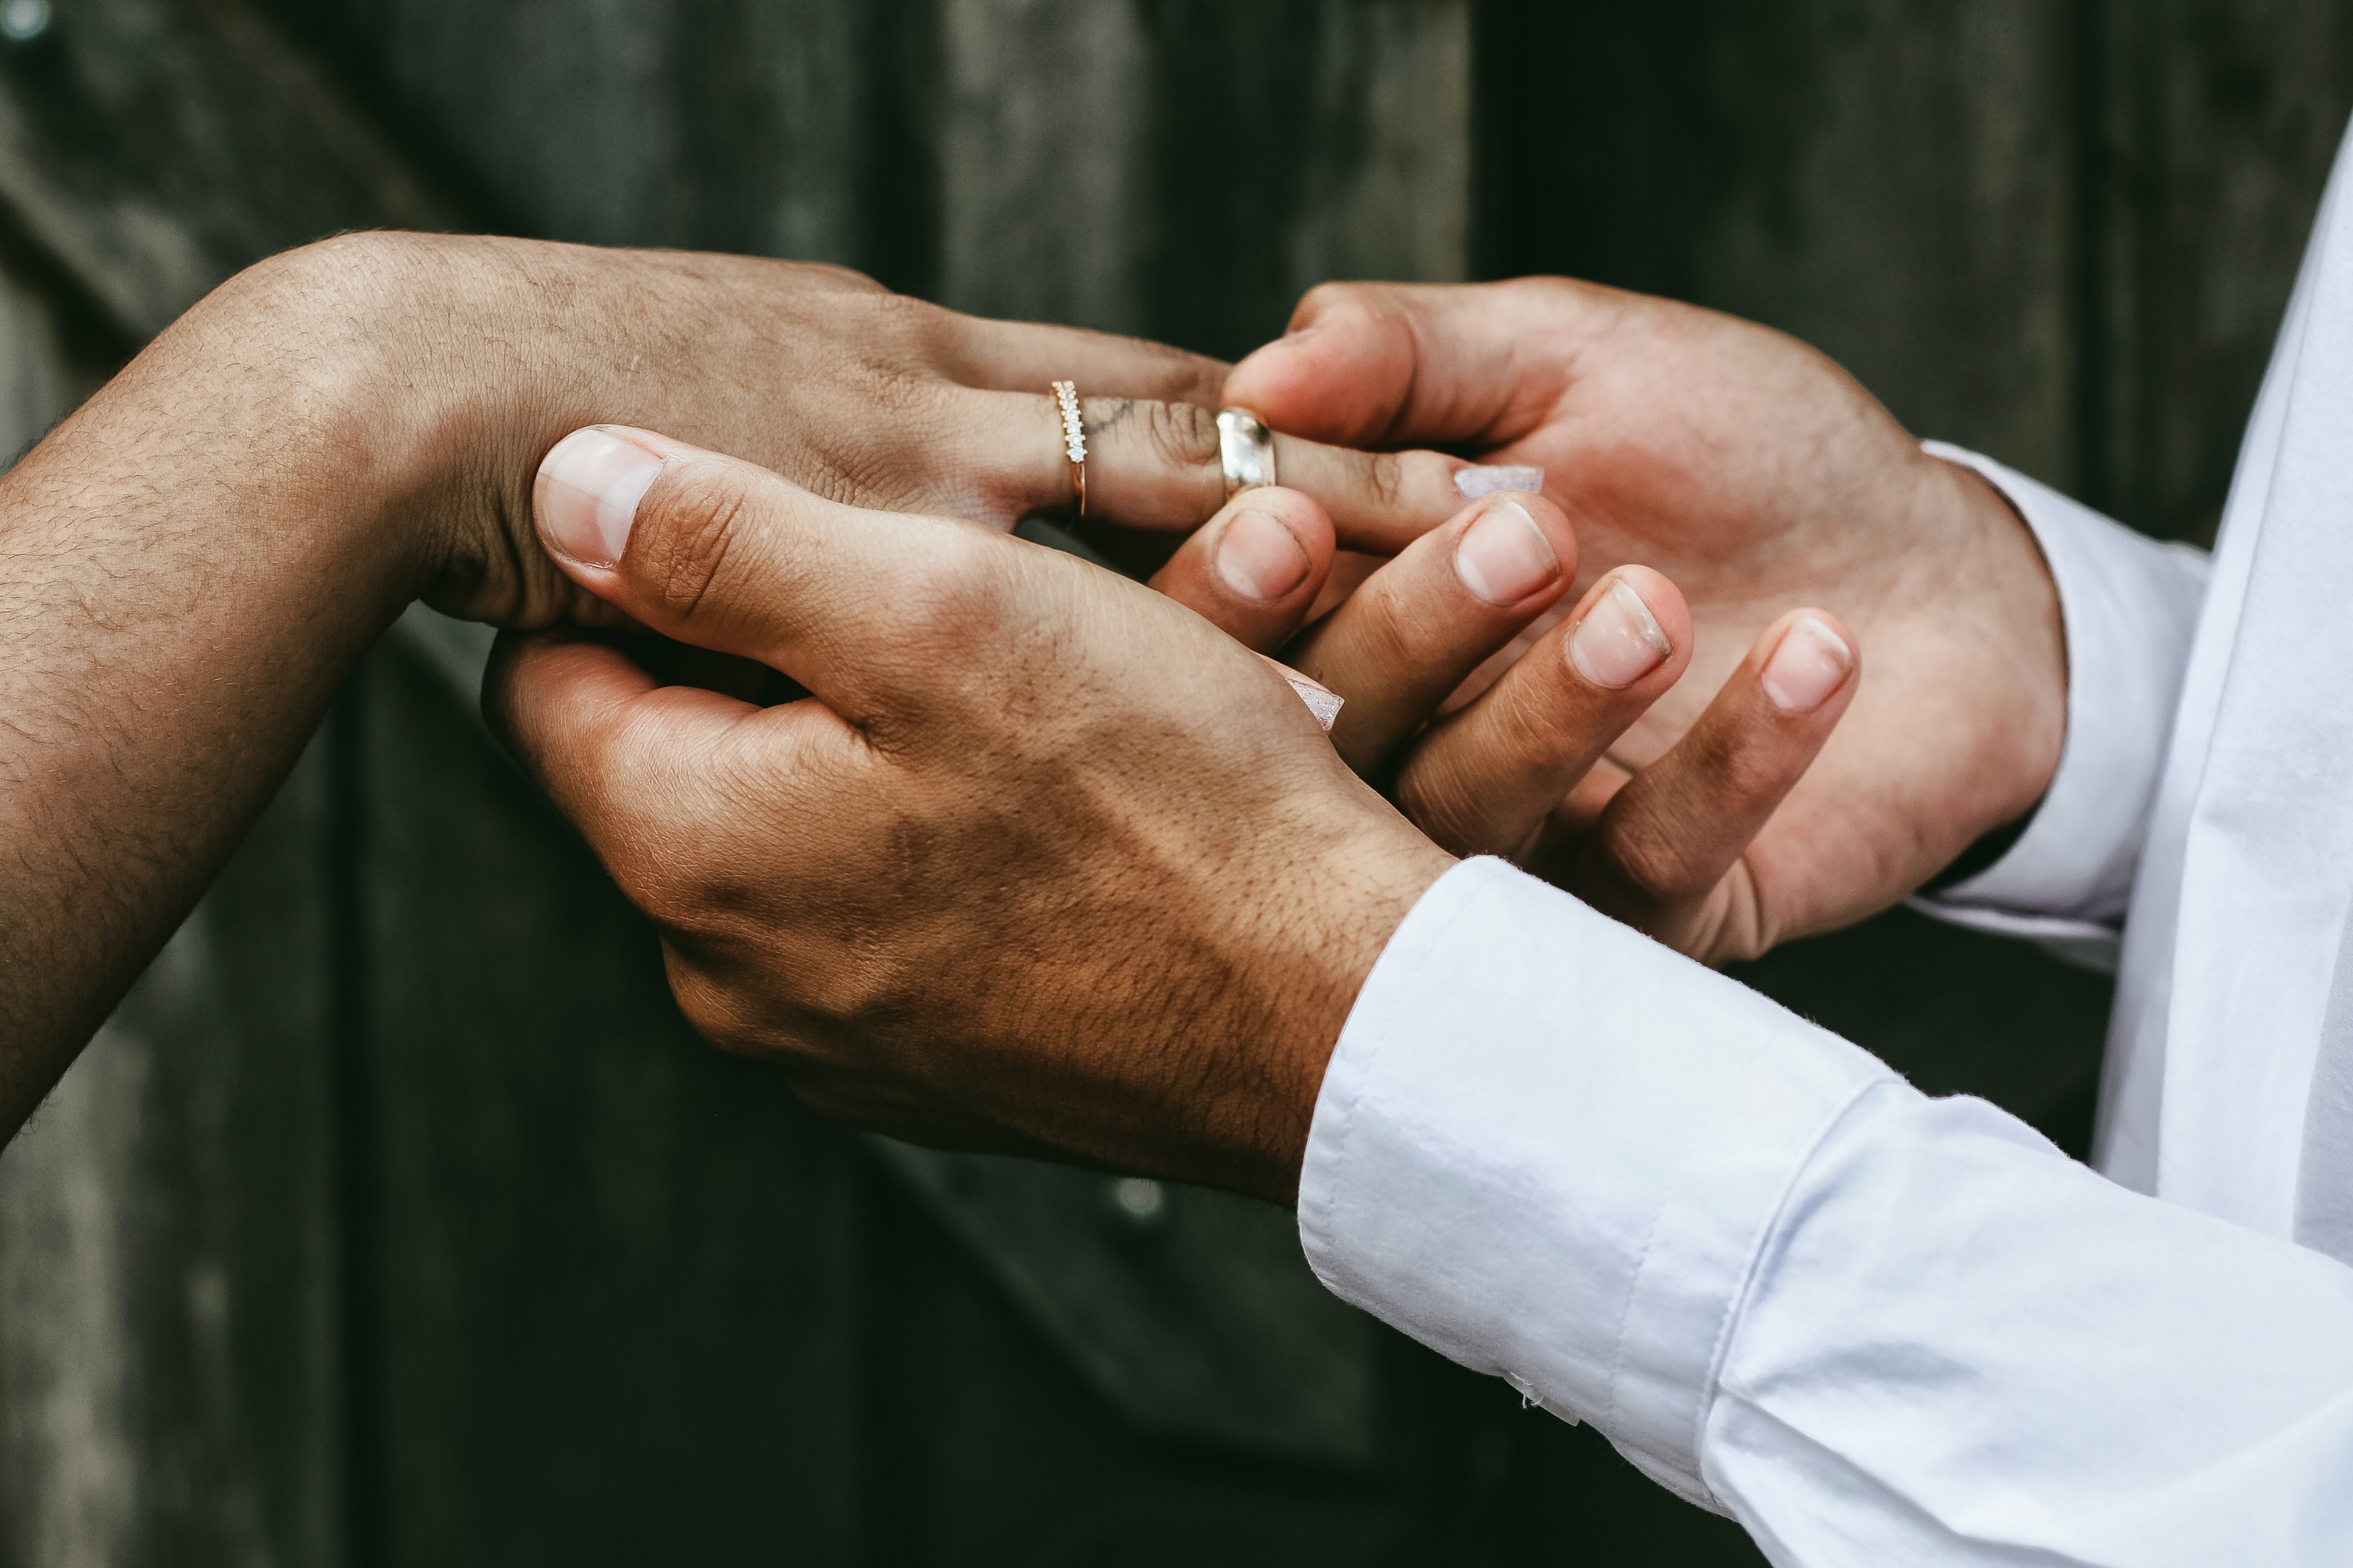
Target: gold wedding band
{"points": [[1074, 439]]}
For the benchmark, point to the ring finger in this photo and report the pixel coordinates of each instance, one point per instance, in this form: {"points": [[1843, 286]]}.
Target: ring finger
{"points": [[1156, 465]]}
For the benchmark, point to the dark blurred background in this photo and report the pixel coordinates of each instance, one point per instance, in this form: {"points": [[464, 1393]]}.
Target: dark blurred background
{"points": [[396, 1219]]}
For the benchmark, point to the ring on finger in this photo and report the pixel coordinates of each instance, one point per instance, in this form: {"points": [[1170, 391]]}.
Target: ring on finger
{"points": [[1074, 437], [1245, 450]]}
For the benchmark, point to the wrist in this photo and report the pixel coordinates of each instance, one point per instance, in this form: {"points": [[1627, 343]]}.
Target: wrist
{"points": [[452, 347], [2010, 619], [439, 370], [1334, 940]]}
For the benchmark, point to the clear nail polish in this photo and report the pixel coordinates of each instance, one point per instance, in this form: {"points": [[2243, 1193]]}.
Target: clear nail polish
{"points": [[1504, 556], [586, 496], [1619, 641], [1812, 663]]}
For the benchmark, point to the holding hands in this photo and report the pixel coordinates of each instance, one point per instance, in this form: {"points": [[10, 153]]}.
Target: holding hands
{"points": [[1045, 863], [1512, 770], [350, 426]]}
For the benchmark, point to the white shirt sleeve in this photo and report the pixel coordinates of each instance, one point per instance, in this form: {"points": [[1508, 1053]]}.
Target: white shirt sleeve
{"points": [[2130, 607], [1874, 1326]]}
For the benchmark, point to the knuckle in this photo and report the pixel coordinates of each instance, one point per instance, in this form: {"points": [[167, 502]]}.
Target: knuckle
{"points": [[1643, 863], [662, 884], [1181, 435], [1325, 299], [714, 1010], [1397, 638], [1435, 799], [653, 887], [688, 528], [1192, 378], [962, 592], [745, 1009]]}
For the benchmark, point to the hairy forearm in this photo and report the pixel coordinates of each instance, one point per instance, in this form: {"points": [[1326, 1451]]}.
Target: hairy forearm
{"points": [[188, 567], [191, 565]]}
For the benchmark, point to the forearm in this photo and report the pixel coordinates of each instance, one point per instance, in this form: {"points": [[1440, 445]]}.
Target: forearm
{"points": [[188, 567], [192, 564]]}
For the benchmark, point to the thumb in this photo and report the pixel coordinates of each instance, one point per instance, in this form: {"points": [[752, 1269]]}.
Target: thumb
{"points": [[1344, 371], [1389, 365], [725, 555]]}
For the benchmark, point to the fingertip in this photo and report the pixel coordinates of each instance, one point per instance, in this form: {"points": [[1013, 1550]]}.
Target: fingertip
{"points": [[1662, 599], [1270, 545], [1255, 568], [1337, 375], [1810, 663], [1258, 557], [1515, 548], [1558, 529], [584, 498], [585, 494], [1269, 380], [1631, 629], [1301, 513]]}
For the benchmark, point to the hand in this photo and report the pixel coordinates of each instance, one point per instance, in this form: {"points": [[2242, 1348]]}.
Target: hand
{"points": [[1045, 860], [1508, 767], [1760, 478], [194, 561], [857, 393]]}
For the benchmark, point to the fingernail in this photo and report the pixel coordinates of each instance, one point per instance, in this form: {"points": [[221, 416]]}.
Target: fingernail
{"points": [[588, 491], [1323, 704], [1258, 557], [1810, 664], [1478, 479], [1504, 557], [1619, 641]]}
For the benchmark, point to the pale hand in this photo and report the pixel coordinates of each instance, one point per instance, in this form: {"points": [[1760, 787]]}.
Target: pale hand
{"points": [[1760, 478]]}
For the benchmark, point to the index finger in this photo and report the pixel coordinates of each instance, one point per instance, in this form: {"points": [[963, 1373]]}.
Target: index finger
{"points": [[574, 709]]}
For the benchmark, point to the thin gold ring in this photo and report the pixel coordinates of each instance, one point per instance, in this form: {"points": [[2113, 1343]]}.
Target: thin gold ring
{"points": [[1074, 437]]}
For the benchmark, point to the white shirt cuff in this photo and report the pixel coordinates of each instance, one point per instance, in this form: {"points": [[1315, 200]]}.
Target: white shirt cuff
{"points": [[2130, 607], [1549, 1148]]}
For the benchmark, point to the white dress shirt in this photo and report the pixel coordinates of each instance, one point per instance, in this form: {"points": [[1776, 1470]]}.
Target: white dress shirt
{"points": [[1878, 1327]]}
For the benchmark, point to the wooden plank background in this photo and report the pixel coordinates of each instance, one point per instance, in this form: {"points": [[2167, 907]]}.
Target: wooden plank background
{"points": [[398, 1219]]}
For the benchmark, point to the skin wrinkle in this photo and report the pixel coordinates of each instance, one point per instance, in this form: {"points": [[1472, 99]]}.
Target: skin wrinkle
{"points": [[884, 906], [1759, 477], [329, 435], [1105, 849]]}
